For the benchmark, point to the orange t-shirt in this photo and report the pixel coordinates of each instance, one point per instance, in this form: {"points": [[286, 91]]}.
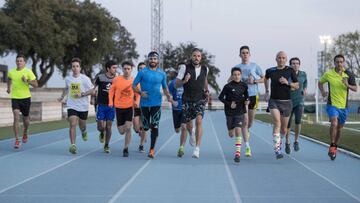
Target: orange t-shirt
{"points": [[121, 94]]}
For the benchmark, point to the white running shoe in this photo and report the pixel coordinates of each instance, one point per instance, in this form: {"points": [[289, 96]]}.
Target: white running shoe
{"points": [[192, 139], [196, 153]]}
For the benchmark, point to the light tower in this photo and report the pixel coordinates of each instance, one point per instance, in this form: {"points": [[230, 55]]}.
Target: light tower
{"points": [[156, 25]]}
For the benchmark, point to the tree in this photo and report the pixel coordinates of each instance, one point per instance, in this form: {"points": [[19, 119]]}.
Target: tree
{"points": [[347, 44], [173, 55]]}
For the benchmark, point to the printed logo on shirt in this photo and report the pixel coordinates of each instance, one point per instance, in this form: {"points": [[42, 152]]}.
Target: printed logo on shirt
{"points": [[74, 90]]}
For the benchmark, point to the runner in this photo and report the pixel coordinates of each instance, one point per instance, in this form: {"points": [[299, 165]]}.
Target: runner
{"points": [[18, 86], [283, 79], [150, 80], [78, 87], [193, 77], [297, 99], [235, 97], [105, 114], [339, 82], [121, 95]]}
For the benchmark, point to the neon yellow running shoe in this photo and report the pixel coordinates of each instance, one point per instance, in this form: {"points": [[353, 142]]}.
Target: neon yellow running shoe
{"points": [[84, 136], [247, 151], [73, 149], [180, 152]]}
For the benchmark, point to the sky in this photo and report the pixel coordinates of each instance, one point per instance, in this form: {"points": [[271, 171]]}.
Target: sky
{"points": [[221, 26]]}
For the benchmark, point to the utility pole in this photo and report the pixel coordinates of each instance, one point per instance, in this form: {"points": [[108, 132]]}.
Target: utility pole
{"points": [[157, 27]]}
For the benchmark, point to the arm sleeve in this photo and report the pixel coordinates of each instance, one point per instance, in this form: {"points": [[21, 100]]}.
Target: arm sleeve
{"points": [[267, 74], [222, 97], [305, 81], [293, 76], [323, 78], [137, 79], [31, 76], [163, 82], [258, 71]]}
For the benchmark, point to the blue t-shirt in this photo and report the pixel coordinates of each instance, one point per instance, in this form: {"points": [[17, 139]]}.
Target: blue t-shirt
{"points": [[176, 93], [150, 81], [254, 70]]}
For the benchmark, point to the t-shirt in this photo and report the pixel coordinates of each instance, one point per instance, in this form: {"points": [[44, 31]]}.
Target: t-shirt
{"points": [[338, 92], [297, 96], [121, 94], [280, 91], [150, 82], [234, 91], [255, 71], [19, 88], [77, 85], [176, 93], [103, 82]]}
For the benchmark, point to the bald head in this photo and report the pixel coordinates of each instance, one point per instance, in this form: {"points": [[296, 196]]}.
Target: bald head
{"points": [[281, 59]]}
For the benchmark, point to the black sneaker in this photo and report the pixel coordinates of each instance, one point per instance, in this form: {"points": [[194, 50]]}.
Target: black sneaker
{"points": [[279, 155], [125, 152], [141, 149], [237, 159], [287, 148], [296, 146]]}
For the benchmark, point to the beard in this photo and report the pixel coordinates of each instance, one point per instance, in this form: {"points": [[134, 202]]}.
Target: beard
{"points": [[195, 63], [153, 64]]}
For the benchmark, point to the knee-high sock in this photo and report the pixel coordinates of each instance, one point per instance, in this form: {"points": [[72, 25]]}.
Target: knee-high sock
{"points": [[154, 135], [237, 146], [277, 142]]}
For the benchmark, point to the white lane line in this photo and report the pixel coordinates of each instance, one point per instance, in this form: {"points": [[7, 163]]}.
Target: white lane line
{"points": [[138, 172], [52, 169], [315, 172], [230, 176]]}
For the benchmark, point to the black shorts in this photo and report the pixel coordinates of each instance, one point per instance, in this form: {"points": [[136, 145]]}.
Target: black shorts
{"points": [[177, 118], [284, 106], [192, 109], [252, 102], [298, 111], [137, 112], [80, 114], [123, 115], [22, 104], [150, 117], [234, 121]]}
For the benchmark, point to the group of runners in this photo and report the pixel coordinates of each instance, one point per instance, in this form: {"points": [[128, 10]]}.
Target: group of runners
{"points": [[136, 102]]}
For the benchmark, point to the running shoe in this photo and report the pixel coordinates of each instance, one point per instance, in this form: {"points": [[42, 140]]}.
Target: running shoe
{"points": [[287, 148], [151, 154], [296, 146], [192, 140], [237, 158], [25, 138], [101, 137], [332, 152], [17, 144], [125, 152], [107, 149], [141, 149], [279, 154], [248, 151], [180, 152], [84, 136], [73, 149], [196, 153]]}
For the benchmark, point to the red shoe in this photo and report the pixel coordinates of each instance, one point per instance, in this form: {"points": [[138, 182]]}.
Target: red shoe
{"points": [[17, 144], [25, 138], [332, 152]]}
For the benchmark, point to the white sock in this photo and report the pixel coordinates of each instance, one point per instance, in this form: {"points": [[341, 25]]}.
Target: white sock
{"points": [[247, 144]]}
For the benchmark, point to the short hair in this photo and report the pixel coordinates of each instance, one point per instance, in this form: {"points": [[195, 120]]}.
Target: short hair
{"points": [[294, 59], [21, 56], [141, 64], [109, 64], [339, 56], [75, 59], [195, 50], [235, 69], [244, 47], [126, 63]]}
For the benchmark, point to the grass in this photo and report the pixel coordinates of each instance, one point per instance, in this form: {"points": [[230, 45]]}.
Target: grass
{"points": [[350, 140], [7, 132]]}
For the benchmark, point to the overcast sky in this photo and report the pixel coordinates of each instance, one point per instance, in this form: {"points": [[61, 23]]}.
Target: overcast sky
{"points": [[222, 26]]}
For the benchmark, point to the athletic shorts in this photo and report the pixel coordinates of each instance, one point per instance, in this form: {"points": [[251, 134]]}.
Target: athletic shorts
{"points": [[123, 115], [253, 102], [150, 117], [234, 121], [137, 112], [341, 114], [22, 104], [284, 106], [297, 111], [177, 118], [105, 113], [80, 114], [192, 109]]}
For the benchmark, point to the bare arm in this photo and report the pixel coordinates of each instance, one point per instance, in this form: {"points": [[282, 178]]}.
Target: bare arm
{"points": [[321, 88], [8, 84], [63, 94]]}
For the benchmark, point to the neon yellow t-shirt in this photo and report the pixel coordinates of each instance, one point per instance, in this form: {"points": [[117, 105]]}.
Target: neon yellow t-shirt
{"points": [[19, 88], [338, 92]]}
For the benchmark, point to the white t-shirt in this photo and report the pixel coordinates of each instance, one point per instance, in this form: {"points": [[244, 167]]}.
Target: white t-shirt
{"points": [[76, 86], [182, 70]]}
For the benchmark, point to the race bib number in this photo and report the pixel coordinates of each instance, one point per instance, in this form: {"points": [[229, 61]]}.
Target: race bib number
{"points": [[74, 90]]}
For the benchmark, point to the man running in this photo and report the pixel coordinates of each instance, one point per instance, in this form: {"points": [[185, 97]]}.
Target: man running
{"points": [[283, 79], [235, 96], [18, 85], [297, 99], [251, 75], [78, 87], [150, 80], [339, 82], [105, 114], [193, 77], [121, 95]]}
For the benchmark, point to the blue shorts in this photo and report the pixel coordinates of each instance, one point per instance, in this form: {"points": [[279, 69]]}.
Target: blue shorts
{"points": [[341, 114], [105, 113]]}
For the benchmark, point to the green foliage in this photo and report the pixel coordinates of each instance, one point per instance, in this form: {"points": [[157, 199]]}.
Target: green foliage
{"points": [[182, 53]]}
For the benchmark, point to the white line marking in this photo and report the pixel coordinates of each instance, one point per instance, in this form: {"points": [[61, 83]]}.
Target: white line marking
{"points": [[231, 178], [138, 172]]}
